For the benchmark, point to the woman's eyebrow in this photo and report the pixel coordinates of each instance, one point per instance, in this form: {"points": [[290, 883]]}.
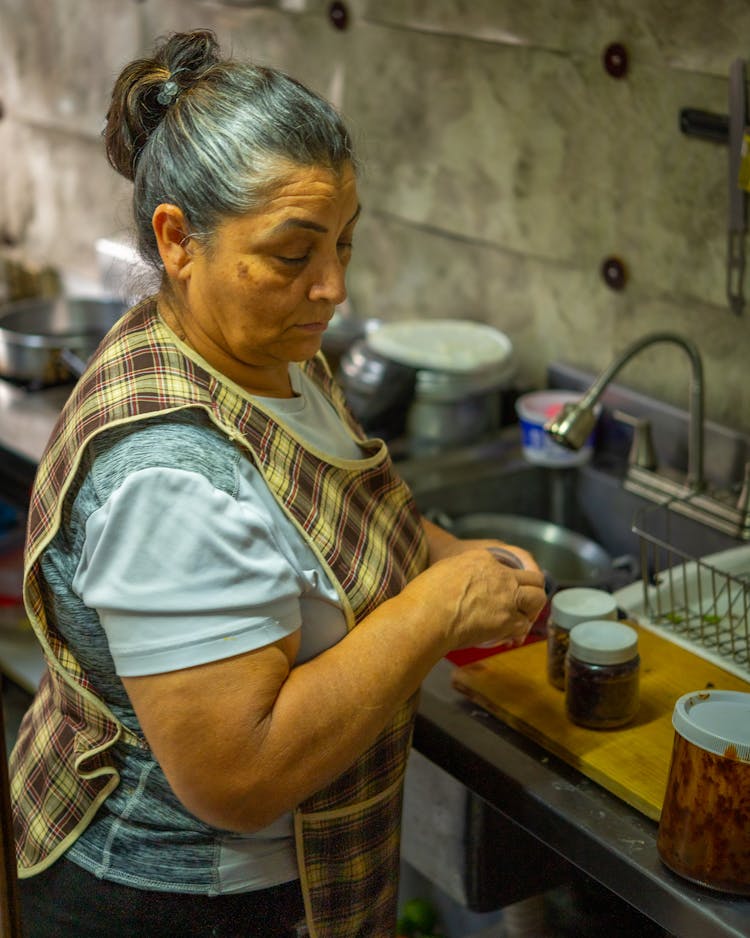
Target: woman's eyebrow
{"points": [[309, 225], [298, 223]]}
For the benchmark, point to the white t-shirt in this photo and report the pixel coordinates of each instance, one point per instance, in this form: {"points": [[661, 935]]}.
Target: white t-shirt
{"points": [[212, 575]]}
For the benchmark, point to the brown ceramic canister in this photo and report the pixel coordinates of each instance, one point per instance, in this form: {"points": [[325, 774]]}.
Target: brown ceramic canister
{"points": [[704, 829]]}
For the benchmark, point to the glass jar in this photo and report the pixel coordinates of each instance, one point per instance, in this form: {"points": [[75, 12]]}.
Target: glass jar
{"points": [[570, 607], [602, 672]]}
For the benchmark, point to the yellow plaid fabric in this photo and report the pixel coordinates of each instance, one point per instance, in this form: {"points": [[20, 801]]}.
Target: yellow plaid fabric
{"points": [[348, 841], [361, 521]]}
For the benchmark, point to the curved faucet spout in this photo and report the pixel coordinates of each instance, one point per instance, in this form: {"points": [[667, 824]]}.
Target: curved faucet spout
{"points": [[573, 424]]}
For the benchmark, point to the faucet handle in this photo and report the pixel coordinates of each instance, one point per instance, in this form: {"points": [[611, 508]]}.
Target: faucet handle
{"points": [[642, 452]]}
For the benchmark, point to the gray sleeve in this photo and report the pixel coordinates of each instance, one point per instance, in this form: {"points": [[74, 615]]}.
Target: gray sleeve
{"points": [[181, 573]]}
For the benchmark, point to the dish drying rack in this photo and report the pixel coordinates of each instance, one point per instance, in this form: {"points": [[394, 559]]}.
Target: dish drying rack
{"points": [[702, 604]]}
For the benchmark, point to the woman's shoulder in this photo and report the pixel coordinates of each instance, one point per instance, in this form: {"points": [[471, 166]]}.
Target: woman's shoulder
{"points": [[185, 440]]}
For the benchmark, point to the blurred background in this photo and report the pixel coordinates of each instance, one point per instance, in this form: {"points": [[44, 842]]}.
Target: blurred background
{"points": [[523, 164]]}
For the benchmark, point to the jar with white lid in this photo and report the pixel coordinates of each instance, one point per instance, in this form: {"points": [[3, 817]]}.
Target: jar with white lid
{"points": [[704, 829], [602, 674], [571, 607]]}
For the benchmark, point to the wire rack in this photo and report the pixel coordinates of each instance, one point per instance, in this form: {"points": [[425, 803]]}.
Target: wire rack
{"points": [[704, 603]]}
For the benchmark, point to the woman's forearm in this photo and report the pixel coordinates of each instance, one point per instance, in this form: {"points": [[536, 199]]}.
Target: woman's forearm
{"points": [[245, 739]]}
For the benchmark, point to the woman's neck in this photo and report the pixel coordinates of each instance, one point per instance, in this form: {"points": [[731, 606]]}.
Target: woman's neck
{"points": [[260, 381]]}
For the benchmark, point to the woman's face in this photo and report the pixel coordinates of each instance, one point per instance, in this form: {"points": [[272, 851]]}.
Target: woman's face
{"points": [[264, 293]]}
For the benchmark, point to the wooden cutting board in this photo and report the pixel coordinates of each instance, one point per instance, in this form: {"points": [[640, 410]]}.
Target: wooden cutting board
{"points": [[631, 762]]}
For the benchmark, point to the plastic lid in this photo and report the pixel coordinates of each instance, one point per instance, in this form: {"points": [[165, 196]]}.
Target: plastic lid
{"points": [[455, 345], [603, 642], [540, 406], [581, 604], [716, 720]]}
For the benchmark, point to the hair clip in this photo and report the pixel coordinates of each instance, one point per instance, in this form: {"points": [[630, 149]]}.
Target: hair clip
{"points": [[168, 94]]}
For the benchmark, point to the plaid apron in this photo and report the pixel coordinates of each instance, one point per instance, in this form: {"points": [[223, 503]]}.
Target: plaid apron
{"points": [[361, 522]]}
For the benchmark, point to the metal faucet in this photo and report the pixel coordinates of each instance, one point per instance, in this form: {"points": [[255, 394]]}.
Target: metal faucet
{"points": [[572, 426]]}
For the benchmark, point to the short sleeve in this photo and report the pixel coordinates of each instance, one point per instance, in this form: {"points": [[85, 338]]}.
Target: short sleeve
{"points": [[180, 573]]}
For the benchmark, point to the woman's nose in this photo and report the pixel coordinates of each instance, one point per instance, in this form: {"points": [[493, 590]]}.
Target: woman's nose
{"points": [[329, 282]]}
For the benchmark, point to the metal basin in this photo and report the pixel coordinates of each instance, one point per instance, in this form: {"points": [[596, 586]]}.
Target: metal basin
{"points": [[577, 521], [567, 558]]}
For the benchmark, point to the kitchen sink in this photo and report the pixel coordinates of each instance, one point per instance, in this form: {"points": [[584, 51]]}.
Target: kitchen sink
{"points": [[494, 477]]}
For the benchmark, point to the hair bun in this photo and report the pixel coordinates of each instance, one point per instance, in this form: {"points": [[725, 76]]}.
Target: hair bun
{"points": [[189, 54], [147, 87]]}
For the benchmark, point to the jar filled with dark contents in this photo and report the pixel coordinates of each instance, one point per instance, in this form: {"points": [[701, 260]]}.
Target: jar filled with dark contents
{"points": [[570, 607], [602, 671], [704, 829]]}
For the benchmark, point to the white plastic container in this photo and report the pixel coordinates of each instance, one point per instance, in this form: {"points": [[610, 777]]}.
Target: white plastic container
{"points": [[534, 410]]}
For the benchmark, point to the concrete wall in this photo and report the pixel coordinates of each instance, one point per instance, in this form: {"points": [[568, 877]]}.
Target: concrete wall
{"points": [[502, 163]]}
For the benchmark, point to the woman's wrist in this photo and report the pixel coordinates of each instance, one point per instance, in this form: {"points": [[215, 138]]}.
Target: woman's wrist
{"points": [[441, 543]]}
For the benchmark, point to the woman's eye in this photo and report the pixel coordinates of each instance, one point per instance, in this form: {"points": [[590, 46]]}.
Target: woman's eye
{"points": [[293, 259], [343, 248]]}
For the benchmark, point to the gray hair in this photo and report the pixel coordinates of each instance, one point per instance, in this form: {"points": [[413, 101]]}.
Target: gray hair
{"points": [[213, 136]]}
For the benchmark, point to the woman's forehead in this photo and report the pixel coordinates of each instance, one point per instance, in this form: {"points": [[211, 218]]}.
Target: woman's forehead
{"points": [[310, 197]]}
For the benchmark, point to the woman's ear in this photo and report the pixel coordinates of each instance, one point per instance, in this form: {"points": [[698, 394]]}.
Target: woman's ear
{"points": [[171, 230]]}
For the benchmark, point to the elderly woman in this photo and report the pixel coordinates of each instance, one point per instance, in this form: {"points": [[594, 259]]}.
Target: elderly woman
{"points": [[235, 594]]}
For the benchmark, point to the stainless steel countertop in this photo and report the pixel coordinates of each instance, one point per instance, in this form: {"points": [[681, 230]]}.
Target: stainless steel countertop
{"points": [[595, 831], [27, 418]]}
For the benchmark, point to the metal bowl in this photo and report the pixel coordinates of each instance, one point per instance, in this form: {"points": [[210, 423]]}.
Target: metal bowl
{"points": [[568, 558], [42, 339]]}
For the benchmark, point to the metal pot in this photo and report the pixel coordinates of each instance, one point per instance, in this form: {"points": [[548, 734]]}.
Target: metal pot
{"points": [[344, 329], [48, 341], [567, 558], [432, 407], [431, 424]]}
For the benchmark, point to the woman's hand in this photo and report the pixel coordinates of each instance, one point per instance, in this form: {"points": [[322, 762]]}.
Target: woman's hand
{"points": [[477, 599], [443, 544]]}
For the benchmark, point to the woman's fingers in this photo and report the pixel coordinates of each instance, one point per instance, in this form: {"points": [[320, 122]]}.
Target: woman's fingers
{"points": [[534, 578], [523, 605], [531, 598]]}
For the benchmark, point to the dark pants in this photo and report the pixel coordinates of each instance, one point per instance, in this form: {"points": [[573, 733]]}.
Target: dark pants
{"points": [[67, 902]]}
